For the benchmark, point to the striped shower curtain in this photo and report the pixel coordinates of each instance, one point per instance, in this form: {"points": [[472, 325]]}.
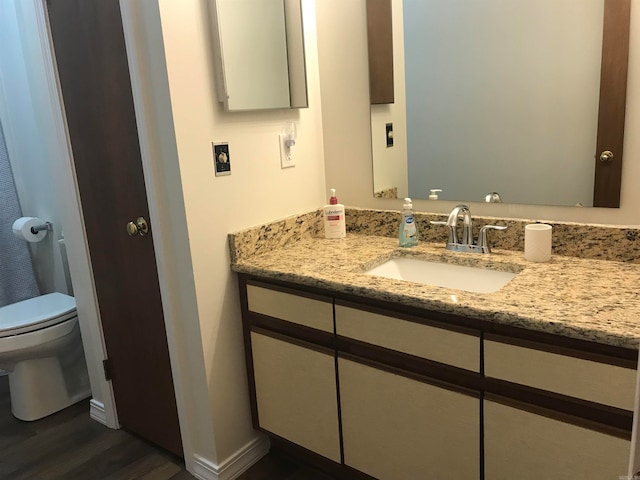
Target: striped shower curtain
{"points": [[17, 279]]}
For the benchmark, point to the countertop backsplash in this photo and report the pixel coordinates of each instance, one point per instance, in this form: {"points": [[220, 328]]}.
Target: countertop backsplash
{"points": [[601, 242]]}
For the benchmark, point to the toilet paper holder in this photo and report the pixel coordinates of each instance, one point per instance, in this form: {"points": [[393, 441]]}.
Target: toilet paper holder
{"points": [[48, 226]]}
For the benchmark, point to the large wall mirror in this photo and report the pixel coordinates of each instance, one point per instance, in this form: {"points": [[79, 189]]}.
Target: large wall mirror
{"points": [[259, 50], [519, 98]]}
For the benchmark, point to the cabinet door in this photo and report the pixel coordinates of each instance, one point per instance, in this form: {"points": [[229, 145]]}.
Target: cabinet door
{"points": [[395, 427], [296, 394], [529, 446]]}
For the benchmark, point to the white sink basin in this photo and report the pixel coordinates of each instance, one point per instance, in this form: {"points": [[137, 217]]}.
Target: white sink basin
{"points": [[469, 279]]}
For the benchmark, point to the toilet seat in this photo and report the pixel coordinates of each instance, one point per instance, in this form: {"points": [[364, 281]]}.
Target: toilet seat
{"points": [[36, 314]]}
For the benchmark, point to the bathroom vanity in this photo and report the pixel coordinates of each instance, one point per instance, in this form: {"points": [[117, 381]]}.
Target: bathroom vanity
{"points": [[369, 377]]}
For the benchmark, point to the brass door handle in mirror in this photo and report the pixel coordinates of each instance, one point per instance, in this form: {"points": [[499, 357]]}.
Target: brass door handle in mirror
{"points": [[140, 227], [606, 156]]}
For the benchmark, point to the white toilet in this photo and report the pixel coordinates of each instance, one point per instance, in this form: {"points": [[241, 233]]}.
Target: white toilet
{"points": [[41, 350]]}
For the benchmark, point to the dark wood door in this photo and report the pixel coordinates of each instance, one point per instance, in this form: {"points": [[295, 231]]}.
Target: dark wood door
{"points": [[89, 46]]}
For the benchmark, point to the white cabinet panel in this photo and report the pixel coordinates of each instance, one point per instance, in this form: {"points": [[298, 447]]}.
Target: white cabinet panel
{"points": [[527, 446], [594, 381], [296, 394], [397, 428], [437, 344], [292, 308]]}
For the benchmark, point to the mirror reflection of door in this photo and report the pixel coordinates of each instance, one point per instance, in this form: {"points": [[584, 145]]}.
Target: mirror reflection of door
{"points": [[505, 96]]}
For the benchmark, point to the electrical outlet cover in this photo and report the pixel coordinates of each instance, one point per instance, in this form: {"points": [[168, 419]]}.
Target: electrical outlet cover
{"points": [[287, 158], [222, 159]]}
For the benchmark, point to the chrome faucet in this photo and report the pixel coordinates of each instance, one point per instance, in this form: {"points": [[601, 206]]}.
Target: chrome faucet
{"points": [[465, 242], [452, 223]]}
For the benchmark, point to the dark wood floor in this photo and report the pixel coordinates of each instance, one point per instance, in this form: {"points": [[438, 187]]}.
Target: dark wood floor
{"points": [[69, 445]]}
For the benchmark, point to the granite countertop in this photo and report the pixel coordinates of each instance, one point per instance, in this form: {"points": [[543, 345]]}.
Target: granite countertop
{"points": [[587, 299]]}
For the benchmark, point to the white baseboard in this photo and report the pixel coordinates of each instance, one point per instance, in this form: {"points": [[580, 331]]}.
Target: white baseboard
{"points": [[97, 411], [235, 465]]}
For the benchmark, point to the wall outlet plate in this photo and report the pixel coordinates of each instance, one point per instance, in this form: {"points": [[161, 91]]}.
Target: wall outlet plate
{"points": [[221, 159], [286, 153]]}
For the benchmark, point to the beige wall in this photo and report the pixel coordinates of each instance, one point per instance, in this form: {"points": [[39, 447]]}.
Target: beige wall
{"points": [[347, 137], [257, 191]]}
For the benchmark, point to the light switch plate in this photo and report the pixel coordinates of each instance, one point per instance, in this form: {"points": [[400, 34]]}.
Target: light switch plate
{"points": [[222, 159], [389, 134]]}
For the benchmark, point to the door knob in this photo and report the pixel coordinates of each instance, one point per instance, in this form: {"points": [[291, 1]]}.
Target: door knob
{"points": [[140, 226], [606, 156]]}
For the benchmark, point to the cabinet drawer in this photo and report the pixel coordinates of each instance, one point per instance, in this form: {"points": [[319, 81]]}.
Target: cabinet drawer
{"points": [[305, 311], [576, 377], [432, 343]]}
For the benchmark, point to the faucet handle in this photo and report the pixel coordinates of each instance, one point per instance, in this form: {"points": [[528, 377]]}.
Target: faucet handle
{"points": [[483, 241]]}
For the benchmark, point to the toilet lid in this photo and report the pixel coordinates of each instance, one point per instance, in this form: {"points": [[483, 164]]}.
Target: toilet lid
{"points": [[36, 313]]}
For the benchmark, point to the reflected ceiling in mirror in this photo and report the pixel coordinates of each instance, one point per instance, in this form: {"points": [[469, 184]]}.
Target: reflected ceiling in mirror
{"points": [[497, 96]]}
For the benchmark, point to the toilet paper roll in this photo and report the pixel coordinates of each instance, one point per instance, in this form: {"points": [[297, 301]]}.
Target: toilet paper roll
{"points": [[537, 242], [22, 229]]}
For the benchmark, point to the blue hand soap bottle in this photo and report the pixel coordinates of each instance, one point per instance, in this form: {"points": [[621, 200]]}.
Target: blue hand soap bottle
{"points": [[408, 235]]}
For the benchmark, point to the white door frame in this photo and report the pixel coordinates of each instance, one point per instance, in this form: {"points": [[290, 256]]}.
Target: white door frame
{"points": [[156, 132]]}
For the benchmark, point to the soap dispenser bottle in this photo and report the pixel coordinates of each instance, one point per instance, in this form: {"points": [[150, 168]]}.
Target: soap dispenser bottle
{"points": [[408, 235], [334, 221]]}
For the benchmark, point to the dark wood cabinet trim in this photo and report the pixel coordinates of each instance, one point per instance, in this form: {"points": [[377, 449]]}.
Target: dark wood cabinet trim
{"points": [[596, 414], [330, 351], [630, 363], [560, 416], [293, 330], [411, 364], [410, 374], [339, 403], [248, 351]]}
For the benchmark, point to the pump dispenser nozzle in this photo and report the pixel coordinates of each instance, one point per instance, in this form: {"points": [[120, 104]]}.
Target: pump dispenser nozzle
{"points": [[433, 193], [333, 200]]}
